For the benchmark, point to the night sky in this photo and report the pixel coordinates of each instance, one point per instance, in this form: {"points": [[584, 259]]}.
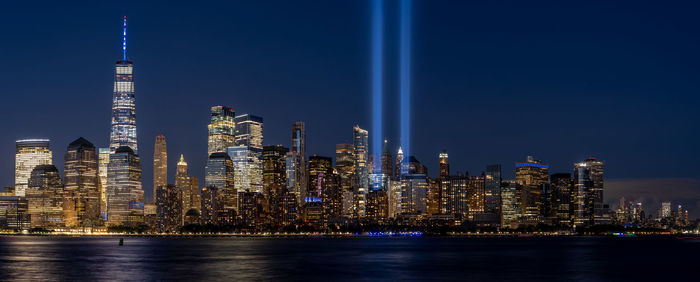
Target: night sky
{"points": [[492, 82]]}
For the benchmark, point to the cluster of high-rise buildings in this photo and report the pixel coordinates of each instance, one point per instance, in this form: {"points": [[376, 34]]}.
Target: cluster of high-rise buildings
{"points": [[276, 187]]}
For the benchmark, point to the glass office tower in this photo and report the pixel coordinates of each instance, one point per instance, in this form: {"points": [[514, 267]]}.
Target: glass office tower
{"points": [[221, 129], [29, 153], [360, 142]]}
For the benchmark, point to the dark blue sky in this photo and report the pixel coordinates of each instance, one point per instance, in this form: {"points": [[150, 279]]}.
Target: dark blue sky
{"points": [[492, 82]]}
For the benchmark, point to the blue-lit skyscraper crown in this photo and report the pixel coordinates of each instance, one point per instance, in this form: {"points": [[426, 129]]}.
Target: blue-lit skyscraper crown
{"points": [[123, 131]]}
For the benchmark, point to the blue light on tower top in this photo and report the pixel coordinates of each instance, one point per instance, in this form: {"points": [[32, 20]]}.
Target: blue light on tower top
{"points": [[124, 41]]}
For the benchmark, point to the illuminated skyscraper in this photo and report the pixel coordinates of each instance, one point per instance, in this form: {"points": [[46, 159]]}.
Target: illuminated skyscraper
{"points": [[532, 175], [475, 194], [123, 103], [124, 193], [188, 187], [29, 153], [210, 202], [299, 147], [492, 189], [250, 207], [387, 160], [274, 179], [249, 131], [160, 164], [169, 215], [510, 208], [195, 195], [221, 129], [401, 167], [45, 197], [345, 164], [242, 162], [561, 198], [82, 194], [455, 196], [293, 167], [219, 174], [360, 140], [248, 166], [444, 164], [588, 192], [323, 187], [320, 176], [103, 166], [394, 198], [414, 194]]}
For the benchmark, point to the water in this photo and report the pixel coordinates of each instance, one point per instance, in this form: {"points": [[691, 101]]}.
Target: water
{"points": [[331, 259]]}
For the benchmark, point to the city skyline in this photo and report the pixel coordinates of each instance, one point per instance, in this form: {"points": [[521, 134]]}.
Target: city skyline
{"points": [[277, 130]]}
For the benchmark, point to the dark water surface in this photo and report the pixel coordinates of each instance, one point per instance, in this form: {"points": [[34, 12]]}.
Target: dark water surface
{"points": [[332, 259]]}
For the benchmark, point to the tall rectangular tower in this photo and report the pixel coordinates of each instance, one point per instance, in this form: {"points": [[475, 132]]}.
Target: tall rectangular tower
{"points": [[361, 183], [29, 153], [160, 164], [123, 103], [299, 149]]}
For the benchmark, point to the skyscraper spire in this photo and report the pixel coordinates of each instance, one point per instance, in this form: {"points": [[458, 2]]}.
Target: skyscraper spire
{"points": [[123, 103], [124, 41]]}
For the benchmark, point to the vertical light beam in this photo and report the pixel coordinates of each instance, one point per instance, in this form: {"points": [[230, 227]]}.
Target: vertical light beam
{"points": [[377, 80], [405, 78], [124, 41]]}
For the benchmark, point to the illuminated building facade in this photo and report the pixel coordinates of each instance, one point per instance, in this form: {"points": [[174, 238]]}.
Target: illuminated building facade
{"points": [[444, 164], [455, 193], [378, 205], [222, 129], [293, 167], [320, 177], [588, 192], [475, 194], [345, 165], [29, 153], [219, 174], [401, 167], [103, 167], [195, 197], [361, 182], [323, 188], [124, 193], [160, 163], [250, 206], [394, 198], [169, 215], [82, 191], [274, 178], [289, 208], [45, 197], [188, 187], [299, 149], [123, 131], [387, 160], [561, 198], [14, 212], [249, 134], [492, 189], [532, 175], [510, 206], [414, 194], [210, 196]]}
